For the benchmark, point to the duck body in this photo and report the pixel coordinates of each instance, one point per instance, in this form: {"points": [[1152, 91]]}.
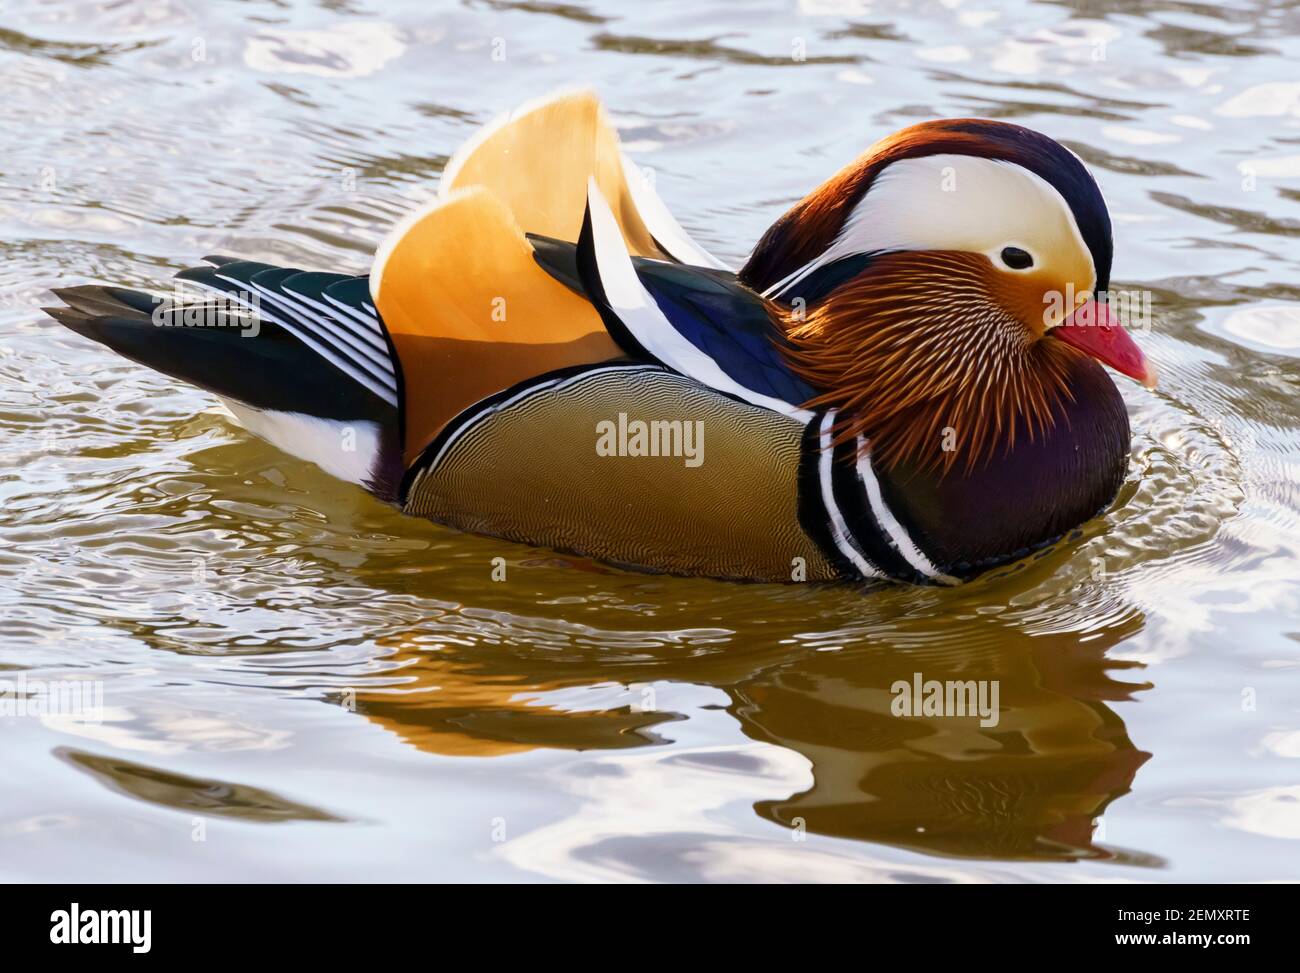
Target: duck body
{"points": [[543, 355]]}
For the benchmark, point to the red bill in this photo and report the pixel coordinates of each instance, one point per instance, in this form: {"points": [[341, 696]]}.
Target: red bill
{"points": [[1094, 330]]}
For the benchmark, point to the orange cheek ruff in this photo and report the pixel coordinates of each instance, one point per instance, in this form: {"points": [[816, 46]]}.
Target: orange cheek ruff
{"points": [[1037, 300], [927, 350]]}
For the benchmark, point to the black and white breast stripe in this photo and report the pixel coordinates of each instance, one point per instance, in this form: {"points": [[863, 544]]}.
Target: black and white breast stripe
{"points": [[848, 513]]}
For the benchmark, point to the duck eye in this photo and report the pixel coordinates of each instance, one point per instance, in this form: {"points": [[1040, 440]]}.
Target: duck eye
{"points": [[1016, 259]]}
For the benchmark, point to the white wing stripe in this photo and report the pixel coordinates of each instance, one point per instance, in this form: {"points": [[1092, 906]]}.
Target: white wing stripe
{"points": [[344, 342], [330, 355], [371, 321], [661, 223], [231, 295], [323, 330], [364, 357], [637, 309], [370, 345]]}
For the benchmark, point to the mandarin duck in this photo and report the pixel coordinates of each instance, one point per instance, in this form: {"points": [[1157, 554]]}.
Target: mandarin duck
{"points": [[904, 380]]}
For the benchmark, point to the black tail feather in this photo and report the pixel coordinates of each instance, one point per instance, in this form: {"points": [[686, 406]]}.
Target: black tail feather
{"points": [[217, 347], [270, 338]]}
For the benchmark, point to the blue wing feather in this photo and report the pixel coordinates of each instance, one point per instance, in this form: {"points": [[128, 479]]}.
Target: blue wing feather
{"points": [[728, 322]]}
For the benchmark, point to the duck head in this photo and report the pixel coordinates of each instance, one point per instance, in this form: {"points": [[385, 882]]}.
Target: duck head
{"points": [[952, 278]]}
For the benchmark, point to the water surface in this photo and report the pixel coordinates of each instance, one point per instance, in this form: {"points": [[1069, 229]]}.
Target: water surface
{"points": [[298, 683]]}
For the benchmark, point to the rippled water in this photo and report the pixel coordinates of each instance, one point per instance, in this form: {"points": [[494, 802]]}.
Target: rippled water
{"points": [[300, 684]]}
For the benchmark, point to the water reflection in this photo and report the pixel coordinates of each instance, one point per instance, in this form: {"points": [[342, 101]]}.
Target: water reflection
{"points": [[193, 795], [1031, 787]]}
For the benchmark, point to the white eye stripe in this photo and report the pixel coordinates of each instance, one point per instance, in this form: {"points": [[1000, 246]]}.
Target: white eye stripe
{"points": [[956, 202]]}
